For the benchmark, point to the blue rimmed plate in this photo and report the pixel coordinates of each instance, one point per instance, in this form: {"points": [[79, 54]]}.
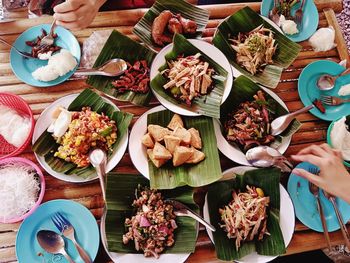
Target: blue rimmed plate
{"points": [[306, 207], [309, 23], [84, 223], [23, 67], [308, 90]]}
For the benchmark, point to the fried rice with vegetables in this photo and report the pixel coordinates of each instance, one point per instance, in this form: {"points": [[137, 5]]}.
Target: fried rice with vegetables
{"points": [[87, 130]]}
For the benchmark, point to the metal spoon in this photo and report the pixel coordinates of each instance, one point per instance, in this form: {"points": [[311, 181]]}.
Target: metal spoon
{"points": [[264, 156], [53, 243], [182, 210], [22, 53], [279, 124], [326, 81], [110, 68], [98, 159], [343, 228]]}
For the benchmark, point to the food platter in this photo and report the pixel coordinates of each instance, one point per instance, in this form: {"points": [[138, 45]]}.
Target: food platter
{"points": [[287, 217], [44, 122], [209, 50], [23, 67], [233, 152]]}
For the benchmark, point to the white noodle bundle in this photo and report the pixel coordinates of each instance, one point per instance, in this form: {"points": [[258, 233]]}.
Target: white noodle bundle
{"points": [[19, 189]]}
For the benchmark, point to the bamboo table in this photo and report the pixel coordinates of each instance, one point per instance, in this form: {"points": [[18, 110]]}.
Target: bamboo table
{"points": [[313, 130]]}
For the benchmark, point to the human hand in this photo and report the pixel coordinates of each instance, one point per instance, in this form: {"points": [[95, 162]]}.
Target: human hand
{"points": [[76, 14], [333, 176]]}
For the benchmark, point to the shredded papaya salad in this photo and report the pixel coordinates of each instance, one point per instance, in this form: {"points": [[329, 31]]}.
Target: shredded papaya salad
{"points": [[152, 227], [245, 218]]}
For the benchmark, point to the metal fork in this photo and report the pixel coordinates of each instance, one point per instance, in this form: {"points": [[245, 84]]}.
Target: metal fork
{"points": [[22, 53], [315, 191], [49, 39], [67, 230], [332, 100], [298, 17]]}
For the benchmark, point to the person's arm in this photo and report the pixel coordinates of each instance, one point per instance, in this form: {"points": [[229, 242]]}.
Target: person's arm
{"points": [[77, 14], [333, 176]]}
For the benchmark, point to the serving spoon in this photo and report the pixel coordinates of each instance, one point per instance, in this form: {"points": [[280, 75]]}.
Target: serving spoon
{"points": [[281, 123], [182, 210], [98, 159], [53, 243], [326, 81], [111, 68], [265, 156]]}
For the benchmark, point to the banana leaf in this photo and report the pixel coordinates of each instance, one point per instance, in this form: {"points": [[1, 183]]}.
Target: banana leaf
{"points": [[208, 105], [195, 175], [246, 20], [220, 194], [120, 194], [143, 29], [121, 46], [243, 90], [46, 145]]}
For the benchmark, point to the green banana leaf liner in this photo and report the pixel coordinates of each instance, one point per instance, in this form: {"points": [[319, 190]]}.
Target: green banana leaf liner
{"points": [[243, 90], [194, 175], [220, 194], [121, 46], [246, 20], [143, 29], [46, 145], [120, 194], [208, 105]]}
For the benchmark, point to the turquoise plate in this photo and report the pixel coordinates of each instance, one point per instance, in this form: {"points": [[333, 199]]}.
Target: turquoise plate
{"points": [[84, 223], [329, 140], [309, 23], [23, 67], [308, 90], [305, 203]]}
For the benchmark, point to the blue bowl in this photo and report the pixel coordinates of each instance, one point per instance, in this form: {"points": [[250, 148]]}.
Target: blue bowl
{"points": [[309, 23], [23, 67]]}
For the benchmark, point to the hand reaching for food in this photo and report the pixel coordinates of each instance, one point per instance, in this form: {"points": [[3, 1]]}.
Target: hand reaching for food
{"points": [[333, 176], [77, 14]]}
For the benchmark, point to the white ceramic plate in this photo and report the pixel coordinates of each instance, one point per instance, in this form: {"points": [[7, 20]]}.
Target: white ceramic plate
{"points": [[208, 49], [137, 151], [136, 258], [233, 152], [44, 121], [287, 217]]}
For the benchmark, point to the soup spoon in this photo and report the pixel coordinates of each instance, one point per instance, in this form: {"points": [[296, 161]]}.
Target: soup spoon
{"points": [[111, 68], [53, 243], [326, 81], [265, 156], [281, 123], [98, 159]]}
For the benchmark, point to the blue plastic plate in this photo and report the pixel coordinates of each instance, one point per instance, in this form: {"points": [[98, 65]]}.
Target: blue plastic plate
{"points": [[309, 23], [84, 223], [23, 67], [306, 207], [308, 90]]}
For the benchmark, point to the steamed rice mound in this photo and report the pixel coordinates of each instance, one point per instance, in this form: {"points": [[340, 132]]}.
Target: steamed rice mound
{"points": [[58, 65]]}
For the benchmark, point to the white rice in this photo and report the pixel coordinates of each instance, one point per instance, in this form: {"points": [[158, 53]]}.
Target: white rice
{"points": [[59, 64]]}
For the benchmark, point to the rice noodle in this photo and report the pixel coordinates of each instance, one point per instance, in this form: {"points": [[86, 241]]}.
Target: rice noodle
{"points": [[19, 190]]}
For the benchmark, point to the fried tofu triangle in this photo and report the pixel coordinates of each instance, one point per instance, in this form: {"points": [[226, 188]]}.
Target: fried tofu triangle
{"points": [[157, 132], [147, 140], [196, 157], [175, 122], [181, 155], [156, 162], [196, 140], [160, 152]]}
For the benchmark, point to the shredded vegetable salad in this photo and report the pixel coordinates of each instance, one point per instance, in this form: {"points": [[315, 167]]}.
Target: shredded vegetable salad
{"points": [[245, 218], [152, 227], [189, 77], [255, 49]]}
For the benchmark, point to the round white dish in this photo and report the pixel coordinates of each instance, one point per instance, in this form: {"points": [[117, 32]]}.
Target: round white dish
{"points": [[287, 217], [44, 121]]}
